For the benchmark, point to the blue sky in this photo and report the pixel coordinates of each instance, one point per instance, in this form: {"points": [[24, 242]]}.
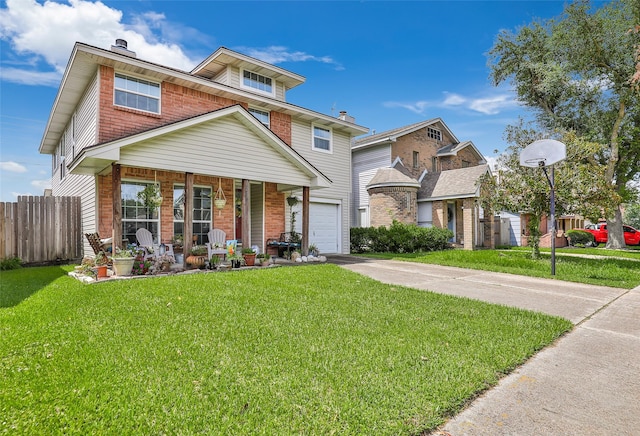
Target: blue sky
{"points": [[388, 64]]}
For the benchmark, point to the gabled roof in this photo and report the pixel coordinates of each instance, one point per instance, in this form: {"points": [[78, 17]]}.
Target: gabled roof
{"points": [[450, 184], [221, 58], [453, 149], [392, 135], [82, 69], [98, 158]]}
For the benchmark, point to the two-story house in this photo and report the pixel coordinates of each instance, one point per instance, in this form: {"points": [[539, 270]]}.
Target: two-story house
{"points": [[419, 174], [223, 130]]}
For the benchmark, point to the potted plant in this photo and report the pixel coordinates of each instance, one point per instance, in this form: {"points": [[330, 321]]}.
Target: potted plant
{"points": [[123, 262], [249, 256], [198, 256], [236, 260], [263, 259], [101, 262], [313, 250], [214, 262]]}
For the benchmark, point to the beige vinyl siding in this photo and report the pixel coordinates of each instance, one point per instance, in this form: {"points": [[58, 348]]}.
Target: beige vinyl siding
{"points": [[86, 120], [365, 164], [84, 187], [234, 76], [223, 77], [335, 165], [280, 92], [222, 147]]}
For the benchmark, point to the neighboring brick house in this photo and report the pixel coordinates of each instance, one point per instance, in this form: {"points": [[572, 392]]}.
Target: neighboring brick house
{"points": [[120, 123], [419, 174]]}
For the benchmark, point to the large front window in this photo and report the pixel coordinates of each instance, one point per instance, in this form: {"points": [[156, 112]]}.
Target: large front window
{"points": [[137, 94], [201, 212], [135, 214]]}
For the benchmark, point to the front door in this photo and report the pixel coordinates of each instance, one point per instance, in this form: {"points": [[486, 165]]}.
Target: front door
{"points": [[451, 220]]}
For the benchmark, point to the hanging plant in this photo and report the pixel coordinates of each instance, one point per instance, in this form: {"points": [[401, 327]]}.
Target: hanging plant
{"points": [[150, 196], [292, 200], [219, 200]]}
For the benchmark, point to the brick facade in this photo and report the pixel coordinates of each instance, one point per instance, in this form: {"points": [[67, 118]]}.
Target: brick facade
{"points": [[393, 203], [176, 103]]}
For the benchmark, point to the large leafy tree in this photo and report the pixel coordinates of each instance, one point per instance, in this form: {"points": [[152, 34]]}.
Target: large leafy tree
{"points": [[578, 74], [579, 182]]}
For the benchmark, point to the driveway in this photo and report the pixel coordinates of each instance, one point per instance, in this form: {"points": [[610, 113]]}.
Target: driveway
{"points": [[586, 383]]}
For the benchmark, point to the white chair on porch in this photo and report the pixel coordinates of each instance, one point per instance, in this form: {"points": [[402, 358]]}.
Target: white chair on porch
{"points": [[145, 241], [216, 244]]}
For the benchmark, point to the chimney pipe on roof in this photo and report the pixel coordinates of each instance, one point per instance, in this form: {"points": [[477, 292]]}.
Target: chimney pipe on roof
{"points": [[345, 117], [121, 47]]}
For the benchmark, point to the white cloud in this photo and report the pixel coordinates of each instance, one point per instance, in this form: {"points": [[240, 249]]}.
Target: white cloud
{"points": [[489, 105], [12, 167], [278, 54], [492, 105], [48, 31], [42, 184]]}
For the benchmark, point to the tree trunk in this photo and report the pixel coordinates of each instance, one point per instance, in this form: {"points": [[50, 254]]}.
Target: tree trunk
{"points": [[615, 234], [534, 235]]}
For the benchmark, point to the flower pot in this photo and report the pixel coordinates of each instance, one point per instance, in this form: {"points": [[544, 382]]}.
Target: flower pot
{"points": [[235, 264], [101, 271], [122, 266], [249, 259]]}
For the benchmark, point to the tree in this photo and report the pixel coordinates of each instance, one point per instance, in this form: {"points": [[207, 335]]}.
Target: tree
{"points": [[580, 184], [578, 74]]}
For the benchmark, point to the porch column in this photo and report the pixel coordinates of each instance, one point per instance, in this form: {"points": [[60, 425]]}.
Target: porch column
{"points": [[116, 231], [246, 214], [305, 221], [468, 223], [188, 215]]}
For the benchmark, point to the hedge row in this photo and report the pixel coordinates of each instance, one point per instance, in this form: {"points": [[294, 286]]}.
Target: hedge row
{"points": [[580, 238], [399, 238]]}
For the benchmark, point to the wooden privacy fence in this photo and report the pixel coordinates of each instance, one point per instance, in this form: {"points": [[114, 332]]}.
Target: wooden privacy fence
{"points": [[41, 229]]}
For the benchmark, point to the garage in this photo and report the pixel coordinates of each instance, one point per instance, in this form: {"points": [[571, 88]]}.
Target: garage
{"points": [[324, 225]]}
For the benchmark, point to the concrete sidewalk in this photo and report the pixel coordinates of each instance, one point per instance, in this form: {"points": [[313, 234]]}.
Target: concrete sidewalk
{"points": [[587, 383]]}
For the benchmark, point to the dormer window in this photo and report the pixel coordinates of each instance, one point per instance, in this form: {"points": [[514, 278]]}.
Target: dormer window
{"points": [[137, 94], [257, 82]]}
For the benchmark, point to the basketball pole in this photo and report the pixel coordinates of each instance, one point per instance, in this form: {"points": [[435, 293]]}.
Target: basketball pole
{"points": [[553, 217]]}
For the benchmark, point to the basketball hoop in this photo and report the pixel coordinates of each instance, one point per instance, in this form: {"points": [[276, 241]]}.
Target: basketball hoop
{"points": [[541, 154]]}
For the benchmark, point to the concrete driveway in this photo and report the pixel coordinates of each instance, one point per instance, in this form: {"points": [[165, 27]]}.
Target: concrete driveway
{"points": [[587, 383]]}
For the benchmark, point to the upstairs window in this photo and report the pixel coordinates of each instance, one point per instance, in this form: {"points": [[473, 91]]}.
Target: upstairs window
{"points": [[137, 94], [434, 134], [416, 159], [321, 139], [256, 81], [262, 116]]}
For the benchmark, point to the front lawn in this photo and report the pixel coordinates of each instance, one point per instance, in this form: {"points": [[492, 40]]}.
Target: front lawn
{"points": [[603, 270], [298, 350]]}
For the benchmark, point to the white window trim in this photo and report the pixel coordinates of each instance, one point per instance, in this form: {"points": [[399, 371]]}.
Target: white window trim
{"points": [[158, 220], [268, 113], [434, 133], [133, 76], [250, 88], [313, 136]]}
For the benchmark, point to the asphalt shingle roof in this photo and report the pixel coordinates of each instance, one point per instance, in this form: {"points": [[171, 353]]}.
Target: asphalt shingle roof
{"points": [[459, 183]]}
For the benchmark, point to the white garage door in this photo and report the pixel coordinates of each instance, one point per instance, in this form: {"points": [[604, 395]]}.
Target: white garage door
{"points": [[323, 227]]}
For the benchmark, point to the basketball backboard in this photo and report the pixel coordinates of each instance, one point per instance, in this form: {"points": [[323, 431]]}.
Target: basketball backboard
{"points": [[543, 153]]}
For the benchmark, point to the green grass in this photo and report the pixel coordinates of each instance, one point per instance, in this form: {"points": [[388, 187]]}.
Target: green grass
{"points": [[299, 350], [605, 270], [631, 252]]}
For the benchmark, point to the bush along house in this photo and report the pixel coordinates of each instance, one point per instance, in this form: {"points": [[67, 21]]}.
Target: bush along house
{"points": [[421, 174], [180, 153]]}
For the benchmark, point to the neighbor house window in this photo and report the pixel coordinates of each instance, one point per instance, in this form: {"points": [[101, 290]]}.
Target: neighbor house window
{"points": [[201, 212], [416, 159], [257, 81], [135, 214], [321, 138], [466, 164], [434, 164], [262, 116], [137, 94], [61, 155], [434, 134]]}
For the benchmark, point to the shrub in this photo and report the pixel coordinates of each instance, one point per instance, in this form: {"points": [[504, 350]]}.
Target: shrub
{"points": [[10, 263], [399, 238], [580, 238]]}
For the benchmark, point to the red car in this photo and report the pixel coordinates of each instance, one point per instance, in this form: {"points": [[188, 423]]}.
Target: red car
{"points": [[599, 231]]}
